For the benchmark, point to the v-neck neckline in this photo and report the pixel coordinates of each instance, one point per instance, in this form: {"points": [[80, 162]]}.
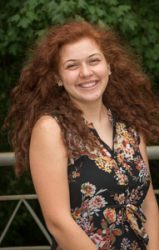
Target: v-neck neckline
{"points": [[110, 149]]}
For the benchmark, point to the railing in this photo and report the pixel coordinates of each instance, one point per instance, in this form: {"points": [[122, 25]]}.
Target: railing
{"points": [[23, 199], [8, 159]]}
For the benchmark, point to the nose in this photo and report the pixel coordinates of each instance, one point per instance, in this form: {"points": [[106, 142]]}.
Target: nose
{"points": [[85, 71]]}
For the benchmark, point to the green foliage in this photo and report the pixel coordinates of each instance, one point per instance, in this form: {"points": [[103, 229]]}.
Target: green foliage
{"points": [[22, 22]]}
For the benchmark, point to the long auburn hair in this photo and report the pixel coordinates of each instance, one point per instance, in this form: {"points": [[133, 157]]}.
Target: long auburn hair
{"points": [[128, 94]]}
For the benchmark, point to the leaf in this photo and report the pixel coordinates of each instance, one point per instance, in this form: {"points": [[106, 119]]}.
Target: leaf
{"points": [[15, 18], [24, 22], [121, 10]]}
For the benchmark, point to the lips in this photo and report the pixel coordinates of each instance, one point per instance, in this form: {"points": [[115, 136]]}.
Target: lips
{"points": [[88, 84]]}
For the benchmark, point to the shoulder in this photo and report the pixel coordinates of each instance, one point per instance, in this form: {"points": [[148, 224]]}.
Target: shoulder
{"points": [[47, 126], [46, 143], [134, 133], [47, 133], [129, 132], [47, 123]]}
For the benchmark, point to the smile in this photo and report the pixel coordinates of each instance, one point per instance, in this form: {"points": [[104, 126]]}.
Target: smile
{"points": [[89, 84]]}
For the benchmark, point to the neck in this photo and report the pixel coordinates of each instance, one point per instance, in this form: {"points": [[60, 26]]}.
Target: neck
{"points": [[93, 112]]}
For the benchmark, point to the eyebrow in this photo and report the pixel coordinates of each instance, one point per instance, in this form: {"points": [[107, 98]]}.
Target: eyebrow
{"points": [[74, 60]]}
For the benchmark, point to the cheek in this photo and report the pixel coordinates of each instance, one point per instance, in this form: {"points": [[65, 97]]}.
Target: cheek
{"points": [[103, 70], [70, 78], [104, 74]]}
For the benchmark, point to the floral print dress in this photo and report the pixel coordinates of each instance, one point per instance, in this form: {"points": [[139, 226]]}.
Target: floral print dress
{"points": [[107, 188]]}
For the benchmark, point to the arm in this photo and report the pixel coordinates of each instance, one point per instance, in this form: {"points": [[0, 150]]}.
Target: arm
{"points": [[48, 163], [150, 208]]}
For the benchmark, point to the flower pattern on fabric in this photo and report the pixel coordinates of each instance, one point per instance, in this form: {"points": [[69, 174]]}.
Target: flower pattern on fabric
{"points": [[88, 189], [109, 201], [92, 202], [110, 215], [107, 188]]}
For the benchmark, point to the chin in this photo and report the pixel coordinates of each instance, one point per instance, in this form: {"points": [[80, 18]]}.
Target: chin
{"points": [[91, 99]]}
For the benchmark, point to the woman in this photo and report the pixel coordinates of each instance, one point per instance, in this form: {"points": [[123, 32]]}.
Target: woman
{"points": [[82, 112]]}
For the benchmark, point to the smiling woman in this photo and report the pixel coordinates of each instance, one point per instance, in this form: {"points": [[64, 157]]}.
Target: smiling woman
{"points": [[81, 114], [84, 71]]}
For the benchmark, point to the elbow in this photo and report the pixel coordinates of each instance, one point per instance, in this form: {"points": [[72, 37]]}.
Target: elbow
{"points": [[57, 226]]}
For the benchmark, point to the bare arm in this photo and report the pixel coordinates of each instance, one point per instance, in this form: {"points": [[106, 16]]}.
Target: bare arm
{"points": [[150, 209], [48, 163]]}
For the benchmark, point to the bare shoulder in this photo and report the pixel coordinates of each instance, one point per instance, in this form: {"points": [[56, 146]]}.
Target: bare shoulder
{"points": [[47, 140], [47, 128], [47, 123]]}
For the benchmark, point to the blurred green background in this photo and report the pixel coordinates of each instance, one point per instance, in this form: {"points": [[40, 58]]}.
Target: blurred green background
{"points": [[21, 24]]}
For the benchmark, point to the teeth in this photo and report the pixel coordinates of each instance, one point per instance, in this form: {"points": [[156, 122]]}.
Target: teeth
{"points": [[88, 84]]}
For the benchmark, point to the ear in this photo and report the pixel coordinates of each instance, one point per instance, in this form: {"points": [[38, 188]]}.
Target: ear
{"points": [[109, 70], [58, 80], [59, 83]]}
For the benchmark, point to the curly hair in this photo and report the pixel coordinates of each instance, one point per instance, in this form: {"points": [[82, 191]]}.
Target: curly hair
{"points": [[128, 94]]}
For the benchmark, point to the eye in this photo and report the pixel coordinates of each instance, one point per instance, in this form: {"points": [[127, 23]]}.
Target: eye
{"points": [[94, 61], [71, 66]]}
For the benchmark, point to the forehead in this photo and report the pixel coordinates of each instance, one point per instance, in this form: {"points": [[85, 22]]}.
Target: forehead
{"points": [[80, 49]]}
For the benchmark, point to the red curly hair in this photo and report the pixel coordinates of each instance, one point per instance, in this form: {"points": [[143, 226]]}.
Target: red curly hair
{"points": [[128, 93]]}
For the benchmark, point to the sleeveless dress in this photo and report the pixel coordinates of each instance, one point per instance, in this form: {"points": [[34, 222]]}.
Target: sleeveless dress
{"points": [[107, 188]]}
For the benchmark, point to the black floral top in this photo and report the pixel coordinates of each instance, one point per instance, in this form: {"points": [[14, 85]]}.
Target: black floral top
{"points": [[107, 188]]}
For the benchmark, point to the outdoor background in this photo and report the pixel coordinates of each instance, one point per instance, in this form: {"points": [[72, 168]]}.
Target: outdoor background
{"points": [[21, 24]]}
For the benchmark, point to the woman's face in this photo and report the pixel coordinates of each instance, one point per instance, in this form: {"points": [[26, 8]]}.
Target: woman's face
{"points": [[83, 70]]}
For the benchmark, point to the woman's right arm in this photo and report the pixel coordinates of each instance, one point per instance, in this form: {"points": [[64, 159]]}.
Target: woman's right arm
{"points": [[48, 163]]}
